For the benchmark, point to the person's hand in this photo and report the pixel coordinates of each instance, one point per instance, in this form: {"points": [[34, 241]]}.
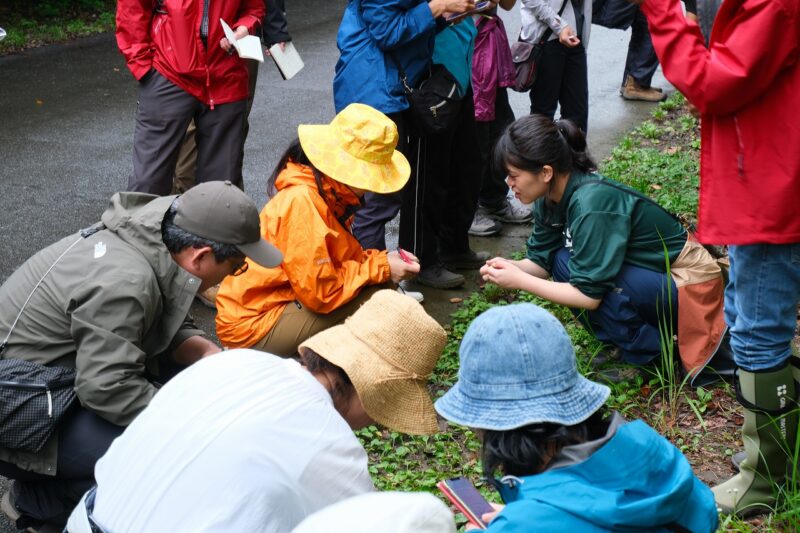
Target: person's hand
{"points": [[502, 272], [486, 517], [440, 8], [281, 44], [400, 269], [239, 33], [568, 38], [692, 109]]}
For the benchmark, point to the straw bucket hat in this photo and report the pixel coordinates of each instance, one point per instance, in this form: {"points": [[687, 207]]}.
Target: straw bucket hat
{"points": [[358, 149], [388, 349]]}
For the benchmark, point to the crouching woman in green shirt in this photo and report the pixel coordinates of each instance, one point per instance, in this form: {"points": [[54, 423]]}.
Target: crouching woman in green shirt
{"points": [[607, 248]]}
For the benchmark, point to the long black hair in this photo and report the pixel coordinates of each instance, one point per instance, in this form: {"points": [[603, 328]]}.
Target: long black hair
{"points": [[528, 450], [534, 141], [293, 154]]}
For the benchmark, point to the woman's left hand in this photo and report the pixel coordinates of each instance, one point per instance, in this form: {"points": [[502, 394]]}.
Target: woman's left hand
{"points": [[486, 517], [502, 272]]}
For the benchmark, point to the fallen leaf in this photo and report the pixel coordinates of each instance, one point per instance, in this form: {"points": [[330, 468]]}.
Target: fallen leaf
{"points": [[39, 101], [456, 300], [655, 186]]}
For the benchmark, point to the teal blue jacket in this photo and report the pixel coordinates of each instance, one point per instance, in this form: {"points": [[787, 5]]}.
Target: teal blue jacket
{"points": [[637, 481]]}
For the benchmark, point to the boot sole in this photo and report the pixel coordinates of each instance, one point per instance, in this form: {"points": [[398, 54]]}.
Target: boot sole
{"points": [[436, 285], [485, 233], [643, 99], [8, 508]]}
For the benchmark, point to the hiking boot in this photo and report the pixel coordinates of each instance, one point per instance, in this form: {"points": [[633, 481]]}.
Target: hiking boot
{"points": [[438, 277], [208, 297], [19, 520], [468, 260], [402, 288], [633, 91], [769, 433], [483, 226], [513, 211]]}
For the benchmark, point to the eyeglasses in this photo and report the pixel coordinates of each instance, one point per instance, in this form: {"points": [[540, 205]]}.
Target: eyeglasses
{"points": [[241, 269]]}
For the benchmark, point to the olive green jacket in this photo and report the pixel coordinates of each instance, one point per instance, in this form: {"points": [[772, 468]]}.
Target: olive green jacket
{"points": [[114, 300]]}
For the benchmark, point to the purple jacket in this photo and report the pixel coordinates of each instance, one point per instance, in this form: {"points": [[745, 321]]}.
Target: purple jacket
{"points": [[491, 66]]}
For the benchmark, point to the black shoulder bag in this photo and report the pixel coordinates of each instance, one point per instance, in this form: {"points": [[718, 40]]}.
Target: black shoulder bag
{"points": [[436, 101]]}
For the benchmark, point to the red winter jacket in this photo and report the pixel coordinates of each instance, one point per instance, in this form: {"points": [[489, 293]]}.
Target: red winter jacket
{"points": [[747, 87], [169, 40]]}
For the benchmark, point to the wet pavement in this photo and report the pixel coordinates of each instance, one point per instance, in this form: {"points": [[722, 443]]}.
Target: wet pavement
{"points": [[67, 117]]}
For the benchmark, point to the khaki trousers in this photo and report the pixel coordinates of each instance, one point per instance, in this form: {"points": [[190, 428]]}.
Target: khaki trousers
{"points": [[297, 323]]}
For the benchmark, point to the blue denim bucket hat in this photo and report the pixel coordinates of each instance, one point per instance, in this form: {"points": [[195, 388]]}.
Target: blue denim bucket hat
{"points": [[518, 368]]}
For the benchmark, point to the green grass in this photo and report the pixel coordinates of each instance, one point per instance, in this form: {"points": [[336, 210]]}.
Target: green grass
{"points": [[37, 22]]}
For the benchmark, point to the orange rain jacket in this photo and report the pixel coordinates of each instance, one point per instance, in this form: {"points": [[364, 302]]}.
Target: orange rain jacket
{"points": [[323, 268]]}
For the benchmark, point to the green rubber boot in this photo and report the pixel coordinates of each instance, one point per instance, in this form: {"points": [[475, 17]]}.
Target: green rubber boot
{"points": [[769, 434]]}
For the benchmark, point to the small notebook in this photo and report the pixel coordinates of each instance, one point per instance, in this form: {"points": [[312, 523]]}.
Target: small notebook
{"points": [[247, 47], [288, 60]]}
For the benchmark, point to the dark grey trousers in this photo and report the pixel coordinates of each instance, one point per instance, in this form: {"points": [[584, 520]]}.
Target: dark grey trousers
{"points": [[163, 113], [641, 62]]}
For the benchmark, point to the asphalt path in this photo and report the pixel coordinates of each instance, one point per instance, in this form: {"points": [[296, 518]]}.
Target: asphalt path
{"points": [[67, 118]]}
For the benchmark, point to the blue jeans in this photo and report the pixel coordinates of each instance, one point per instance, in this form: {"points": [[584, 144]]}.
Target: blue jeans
{"points": [[629, 316], [761, 303]]}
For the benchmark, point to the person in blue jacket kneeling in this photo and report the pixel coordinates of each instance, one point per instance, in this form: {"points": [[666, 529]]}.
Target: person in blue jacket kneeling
{"points": [[567, 464]]}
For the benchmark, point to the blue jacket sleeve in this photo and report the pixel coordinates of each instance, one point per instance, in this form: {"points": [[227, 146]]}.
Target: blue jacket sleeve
{"points": [[392, 26]]}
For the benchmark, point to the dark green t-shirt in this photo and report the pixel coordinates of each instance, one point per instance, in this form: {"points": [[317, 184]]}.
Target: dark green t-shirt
{"points": [[603, 227]]}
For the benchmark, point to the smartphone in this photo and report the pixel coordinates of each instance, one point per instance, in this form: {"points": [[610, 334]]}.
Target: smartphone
{"points": [[480, 6], [467, 499]]}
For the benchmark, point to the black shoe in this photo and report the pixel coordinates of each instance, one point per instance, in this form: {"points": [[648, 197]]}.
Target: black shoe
{"points": [[468, 260], [438, 277]]}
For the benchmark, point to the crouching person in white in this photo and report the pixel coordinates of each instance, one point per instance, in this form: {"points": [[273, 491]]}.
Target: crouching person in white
{"points": [[247, 441]]}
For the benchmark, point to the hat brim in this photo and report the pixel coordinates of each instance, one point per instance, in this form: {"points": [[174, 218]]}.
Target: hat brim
{"points": [[323, 149], [568, 408], [389, 396], [262, 253]]}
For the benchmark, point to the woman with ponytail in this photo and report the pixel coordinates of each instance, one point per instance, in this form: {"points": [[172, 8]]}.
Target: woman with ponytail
{"points": [[626, 267]]}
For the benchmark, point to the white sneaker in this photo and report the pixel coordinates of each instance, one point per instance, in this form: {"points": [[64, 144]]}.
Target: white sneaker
{"points": [[513, 211], [418, 296], [483, 225]]}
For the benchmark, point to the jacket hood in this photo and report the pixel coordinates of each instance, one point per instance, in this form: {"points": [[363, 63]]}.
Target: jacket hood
{"points": [[637, 481], [338, 197], [136, 219]]}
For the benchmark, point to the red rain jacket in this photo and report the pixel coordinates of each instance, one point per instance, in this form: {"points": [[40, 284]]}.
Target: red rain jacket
{"points": [[168, 39], [747, 87]]}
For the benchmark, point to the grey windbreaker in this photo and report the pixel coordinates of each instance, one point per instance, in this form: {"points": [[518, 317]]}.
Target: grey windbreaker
{"points": [[113, 301]]}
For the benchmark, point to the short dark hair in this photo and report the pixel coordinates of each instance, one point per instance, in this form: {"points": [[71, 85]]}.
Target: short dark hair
{"points": [[343, 387], [178, 239], [528, 450]]}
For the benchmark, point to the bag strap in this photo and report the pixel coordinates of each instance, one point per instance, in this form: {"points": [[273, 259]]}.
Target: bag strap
{"points": [[400, 70], [84, 233], [546, 35]]}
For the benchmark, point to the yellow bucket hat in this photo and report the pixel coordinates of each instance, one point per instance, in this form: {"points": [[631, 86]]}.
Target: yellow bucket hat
{"points": [[358, 149], [388, 348]]}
